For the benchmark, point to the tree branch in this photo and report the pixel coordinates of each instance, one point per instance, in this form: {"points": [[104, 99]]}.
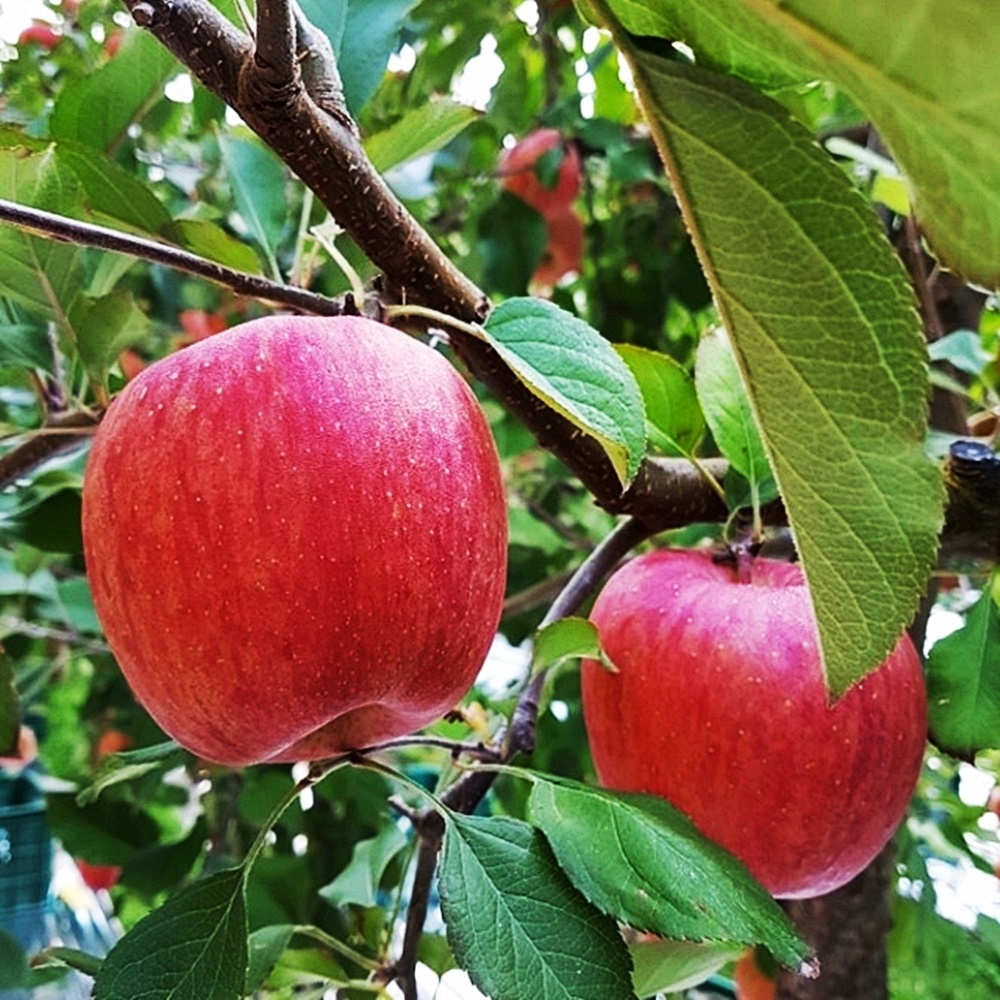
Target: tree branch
{"points": [[322, 147], [59, 227]]}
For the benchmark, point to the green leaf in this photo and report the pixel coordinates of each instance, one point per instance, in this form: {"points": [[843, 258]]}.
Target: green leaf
{"points": [[106, 832], [111, 191], [259, 181], [130, 765], [512, 238], [927, 90], [729, 414], [371, 35], [211, 241], [194, 946], [26, 346], [642, 861], [52, 525], [330, 18], [963, 349], [822, 323], [566, 639], [726, 34], [675, 421], [10, 708], [516, 924], [73, 958], [567, 363], [98, 109], [422, 130], [42, 275], [358, 883], [266, 945], [104, 327], [963, 681], [13, 962], [671, 966]]}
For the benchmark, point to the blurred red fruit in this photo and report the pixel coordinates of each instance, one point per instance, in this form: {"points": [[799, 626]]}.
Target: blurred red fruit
{"points": [[113, 43], [519, 170], [564, 251], [40, 34], [98, 876]]}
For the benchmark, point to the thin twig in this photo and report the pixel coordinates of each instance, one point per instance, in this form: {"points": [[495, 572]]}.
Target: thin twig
{"points": [[59, 227], [524, 721], [70, 637], [44, 444], [466, 793]]}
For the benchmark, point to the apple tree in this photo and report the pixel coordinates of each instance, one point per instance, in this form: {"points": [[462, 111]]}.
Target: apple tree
{"points": [[332, 333]]}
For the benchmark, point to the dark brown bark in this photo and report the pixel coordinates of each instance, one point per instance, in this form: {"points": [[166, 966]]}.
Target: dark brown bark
{"points": [[848, 929], [316, 139]]}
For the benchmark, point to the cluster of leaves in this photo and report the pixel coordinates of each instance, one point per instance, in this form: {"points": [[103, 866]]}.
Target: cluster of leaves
{"points": [[813, 315]]}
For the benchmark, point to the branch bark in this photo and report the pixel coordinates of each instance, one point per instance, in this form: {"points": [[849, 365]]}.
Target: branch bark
{"points": [[320, 144]]}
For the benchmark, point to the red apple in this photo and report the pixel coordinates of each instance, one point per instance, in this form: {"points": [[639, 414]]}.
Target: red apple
{"points": [[308, 553], [720, 706], [40, 34], [518, 168], [564, 250], [113, 43], [98, 877]]}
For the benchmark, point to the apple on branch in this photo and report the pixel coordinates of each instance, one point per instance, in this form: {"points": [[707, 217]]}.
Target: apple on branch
{"points": [[308, 554], [719, 705]]}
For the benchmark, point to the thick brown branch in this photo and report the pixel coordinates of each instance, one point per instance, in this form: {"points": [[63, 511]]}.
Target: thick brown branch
{"points": [[324, 151]]}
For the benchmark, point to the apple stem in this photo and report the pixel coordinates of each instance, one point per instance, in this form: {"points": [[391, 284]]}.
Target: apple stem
{"points": [[744, 564]]}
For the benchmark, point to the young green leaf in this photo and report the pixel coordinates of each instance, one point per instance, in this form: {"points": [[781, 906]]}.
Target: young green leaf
{"points": [[111, 191], [259, 181], [26, 345], [642, 861], [566, 639], [43, 276], [673, 414], [192, 947], [577, 372], [516, 924], [212, 241], [422, 130], [104, 327], [362, 66], [820, 316], [358, 883], [730, 416], [666, 966], [266, 946], [963, 681], [98, 110]]}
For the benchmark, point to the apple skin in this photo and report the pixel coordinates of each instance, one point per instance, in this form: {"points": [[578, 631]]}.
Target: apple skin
{"points": [[517, 168], [295, 534], [720, 707]]}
